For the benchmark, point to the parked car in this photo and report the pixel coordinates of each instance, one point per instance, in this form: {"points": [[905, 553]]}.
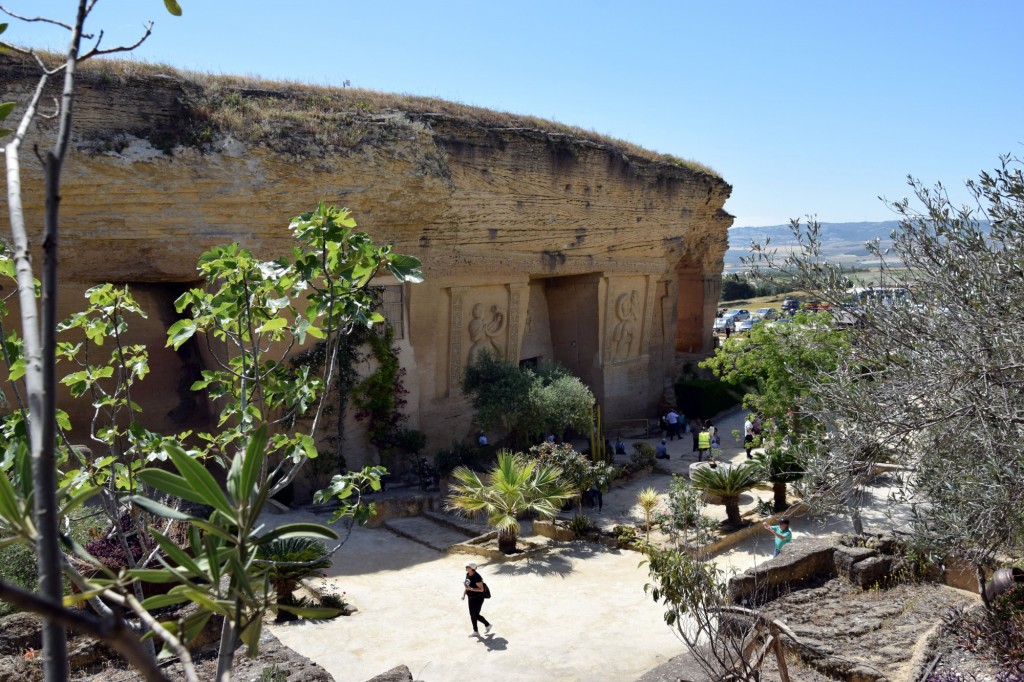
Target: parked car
{"points": [[767, 313], [739, 313], [724, 322], [790, 305], [748, 324]]}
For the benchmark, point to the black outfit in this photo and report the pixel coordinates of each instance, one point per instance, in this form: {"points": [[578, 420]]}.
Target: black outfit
{"points": [[476, 601]]}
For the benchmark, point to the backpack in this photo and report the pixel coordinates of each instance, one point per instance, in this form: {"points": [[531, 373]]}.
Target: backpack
{"points": [[487, 591]]}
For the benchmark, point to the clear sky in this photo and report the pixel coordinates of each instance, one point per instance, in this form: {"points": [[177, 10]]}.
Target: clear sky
{"points": [[804, 107]]}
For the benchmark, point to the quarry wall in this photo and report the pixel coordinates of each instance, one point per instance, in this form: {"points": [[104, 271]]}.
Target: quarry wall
{"points": [[537, 244]]}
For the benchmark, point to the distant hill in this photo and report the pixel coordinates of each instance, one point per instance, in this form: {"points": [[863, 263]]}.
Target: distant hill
{"points": [[841, 242]]}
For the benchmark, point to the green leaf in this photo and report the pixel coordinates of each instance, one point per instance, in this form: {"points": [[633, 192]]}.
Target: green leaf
{"points": [[254, 453], [180, 332], [169, 483], [272, 325], [173, 7], [160, 600], [293, 530], [7, 107], [251, 636], [154, 507], [200, 479], [152, 575], [180, 556], [405, 268], [16, 370]]}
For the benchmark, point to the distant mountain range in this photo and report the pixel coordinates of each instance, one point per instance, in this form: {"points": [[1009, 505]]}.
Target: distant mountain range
{"points": [[841, 242]]}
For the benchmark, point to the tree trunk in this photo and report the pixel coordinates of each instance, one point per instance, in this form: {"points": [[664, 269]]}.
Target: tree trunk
{"points": [[779, 489], [507, 541], [732, 510]]}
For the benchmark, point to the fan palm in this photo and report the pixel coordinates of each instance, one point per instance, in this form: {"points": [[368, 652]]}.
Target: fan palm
{"points": [[780, 467], [728, 483], [515, 486]]}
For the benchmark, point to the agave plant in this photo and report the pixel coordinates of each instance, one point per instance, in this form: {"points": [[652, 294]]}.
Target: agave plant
{"points": [[728, 483], [780, 467], [515, 486]]}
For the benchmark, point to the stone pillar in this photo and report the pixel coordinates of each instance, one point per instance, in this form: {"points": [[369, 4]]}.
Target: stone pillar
{"points": [[458, 295], [518, 304]]}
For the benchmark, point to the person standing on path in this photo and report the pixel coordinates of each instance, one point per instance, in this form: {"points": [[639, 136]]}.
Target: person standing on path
{"points": [[694, 431], [672, 420], [703, 444], [783, 535], [475, 590]]}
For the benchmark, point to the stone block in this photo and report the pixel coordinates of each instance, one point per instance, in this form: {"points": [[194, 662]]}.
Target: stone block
{"points": [[399, 673], [871, 570], [800, 562], [846, 557]]}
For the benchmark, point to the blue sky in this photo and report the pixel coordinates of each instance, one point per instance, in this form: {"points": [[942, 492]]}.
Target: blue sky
{"points": [[804, 107]]}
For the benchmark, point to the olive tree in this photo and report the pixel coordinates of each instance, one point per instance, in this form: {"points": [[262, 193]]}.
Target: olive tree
{"points": [[932, 376]]}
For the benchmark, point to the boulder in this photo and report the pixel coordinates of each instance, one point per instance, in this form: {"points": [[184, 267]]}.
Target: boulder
{"points": [[19, 669], [20, 632], [799, 562], [846, 557], [399, 673], [871, 570]]}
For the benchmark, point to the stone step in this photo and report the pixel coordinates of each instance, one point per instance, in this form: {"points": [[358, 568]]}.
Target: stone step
{"points": [[470, 527], [426, 532]]}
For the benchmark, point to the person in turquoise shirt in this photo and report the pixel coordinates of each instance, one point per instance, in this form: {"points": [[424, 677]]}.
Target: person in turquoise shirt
{"points": [[782, 534]]}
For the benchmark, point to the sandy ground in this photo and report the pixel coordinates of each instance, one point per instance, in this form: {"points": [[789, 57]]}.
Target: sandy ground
{"points": [[576, 612]]}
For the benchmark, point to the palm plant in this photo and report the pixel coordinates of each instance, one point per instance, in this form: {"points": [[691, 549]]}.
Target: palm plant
{"points": [[289, 560], [728, 483], [648, 501], [515, 486], [780, 467]]}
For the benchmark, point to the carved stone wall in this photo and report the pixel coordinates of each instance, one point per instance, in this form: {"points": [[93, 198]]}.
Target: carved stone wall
{"points": [[534, 244]]}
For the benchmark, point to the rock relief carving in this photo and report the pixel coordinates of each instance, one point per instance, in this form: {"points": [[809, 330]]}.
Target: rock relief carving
{"points": [[485, 330], [625, 330]]}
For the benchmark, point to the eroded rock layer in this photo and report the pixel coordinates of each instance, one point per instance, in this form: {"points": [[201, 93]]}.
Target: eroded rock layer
{"points": [[539, 245]]}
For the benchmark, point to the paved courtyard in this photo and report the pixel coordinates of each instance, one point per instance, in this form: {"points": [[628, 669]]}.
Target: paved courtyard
{"points": [[575, 612]]}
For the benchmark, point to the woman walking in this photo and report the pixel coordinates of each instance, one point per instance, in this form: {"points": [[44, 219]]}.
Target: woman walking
{"points": [[477, 591]]}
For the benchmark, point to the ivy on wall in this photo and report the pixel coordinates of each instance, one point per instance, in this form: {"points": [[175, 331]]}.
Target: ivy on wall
{"points": [[380, 397]]}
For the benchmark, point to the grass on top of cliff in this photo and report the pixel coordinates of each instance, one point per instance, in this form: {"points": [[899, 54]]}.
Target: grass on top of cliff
{"points": [[257, 110]]}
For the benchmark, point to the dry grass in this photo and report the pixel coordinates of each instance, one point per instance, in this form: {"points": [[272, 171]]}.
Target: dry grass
{"points": [[257, 109]]}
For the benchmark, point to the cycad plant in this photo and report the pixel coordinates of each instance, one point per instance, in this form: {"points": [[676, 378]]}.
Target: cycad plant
{"points": [[728, 483], [780, 467], [289, 560], [514, 487]]}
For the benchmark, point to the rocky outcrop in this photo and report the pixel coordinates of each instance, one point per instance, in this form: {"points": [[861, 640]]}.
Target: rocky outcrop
{"points": [[799, 563], [539, 242]]}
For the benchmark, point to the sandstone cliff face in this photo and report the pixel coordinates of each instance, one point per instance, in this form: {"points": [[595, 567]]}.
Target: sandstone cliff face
{"points": [[539, 245]]}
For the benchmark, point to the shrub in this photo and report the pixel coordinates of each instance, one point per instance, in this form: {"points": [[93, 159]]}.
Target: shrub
{"points": [[644, 455], [581, 524], [705, 398], [448, 460], [411, 440], [626, 535], [997, 632]]}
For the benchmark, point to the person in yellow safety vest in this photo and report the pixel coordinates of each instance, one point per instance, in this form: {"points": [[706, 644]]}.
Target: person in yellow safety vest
{"points": [[703, 443]]}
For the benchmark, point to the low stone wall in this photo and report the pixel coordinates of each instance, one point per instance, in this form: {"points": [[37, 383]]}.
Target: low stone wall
{"points": [[479, 546], [801, 562], [400, 506]]}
